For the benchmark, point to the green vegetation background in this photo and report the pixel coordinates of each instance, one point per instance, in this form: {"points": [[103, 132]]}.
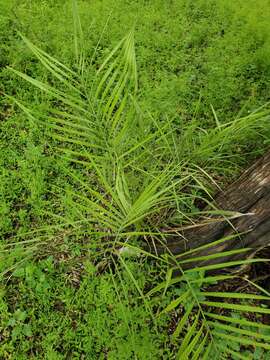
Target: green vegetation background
{"points": [[191, 54]]}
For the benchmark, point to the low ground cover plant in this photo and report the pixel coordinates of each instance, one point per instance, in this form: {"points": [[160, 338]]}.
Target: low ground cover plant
{"points": [[102, 177]]}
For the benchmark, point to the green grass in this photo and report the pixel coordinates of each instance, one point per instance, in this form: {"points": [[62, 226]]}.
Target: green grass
{"points": [[66, 309], [102, 148]]}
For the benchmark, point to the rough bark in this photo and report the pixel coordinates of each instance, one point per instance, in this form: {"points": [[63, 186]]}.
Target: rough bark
{"points": [[250, 196]]}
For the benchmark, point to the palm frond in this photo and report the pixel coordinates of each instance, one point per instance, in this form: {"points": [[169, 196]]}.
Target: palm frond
{"points": [[207, 324]]}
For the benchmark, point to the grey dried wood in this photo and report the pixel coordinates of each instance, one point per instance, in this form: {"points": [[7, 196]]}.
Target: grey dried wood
{"points": [[248, 195]]}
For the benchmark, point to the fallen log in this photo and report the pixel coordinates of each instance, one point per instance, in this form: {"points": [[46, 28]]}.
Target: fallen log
{"points": [[248, 195]]}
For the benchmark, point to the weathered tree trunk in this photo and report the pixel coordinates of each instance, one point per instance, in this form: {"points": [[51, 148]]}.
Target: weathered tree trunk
{"points": [[250, 196]]}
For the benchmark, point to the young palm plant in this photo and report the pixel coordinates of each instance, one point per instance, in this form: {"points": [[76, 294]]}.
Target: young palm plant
{"points": [[137, 175]]}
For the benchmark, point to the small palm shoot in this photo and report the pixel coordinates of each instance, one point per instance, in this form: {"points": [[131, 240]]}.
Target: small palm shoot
{"points": [[137, 174]]}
